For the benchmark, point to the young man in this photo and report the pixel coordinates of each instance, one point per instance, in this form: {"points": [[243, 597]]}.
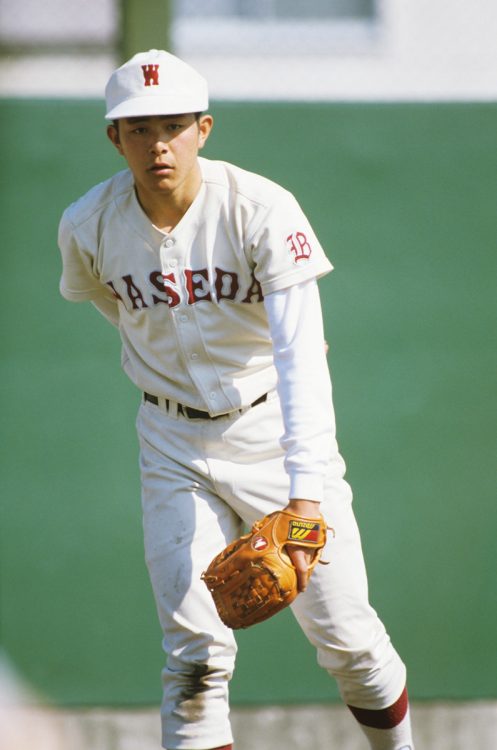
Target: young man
{"points": [[209, 272]]}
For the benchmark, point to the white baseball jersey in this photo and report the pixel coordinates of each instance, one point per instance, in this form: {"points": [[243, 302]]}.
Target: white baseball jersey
{"points": [[189, 303]]}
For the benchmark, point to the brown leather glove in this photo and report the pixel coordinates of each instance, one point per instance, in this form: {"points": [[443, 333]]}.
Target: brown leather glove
{"points": [[253, 578]]}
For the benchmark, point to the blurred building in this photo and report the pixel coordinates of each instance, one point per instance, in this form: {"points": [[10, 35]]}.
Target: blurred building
{"points": [[263, 49]]}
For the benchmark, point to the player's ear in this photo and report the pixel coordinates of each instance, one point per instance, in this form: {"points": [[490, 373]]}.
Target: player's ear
{"points": [[113, 136], [205, 123]]}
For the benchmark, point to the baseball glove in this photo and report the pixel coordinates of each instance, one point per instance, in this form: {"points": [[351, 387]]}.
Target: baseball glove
{"points": [[253, 577]]}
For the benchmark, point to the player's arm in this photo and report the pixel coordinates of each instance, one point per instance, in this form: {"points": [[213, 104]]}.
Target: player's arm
{"points": [[78, 282], [304, 387]]}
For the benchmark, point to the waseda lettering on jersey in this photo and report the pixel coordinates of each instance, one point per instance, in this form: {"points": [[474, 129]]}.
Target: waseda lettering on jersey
{"points": [[172, 288], [299, 246], [116, 295], [195, 286], [195, 283], [134, 293], [226, 284], [160, 282], [255, 290], [151, 75]]}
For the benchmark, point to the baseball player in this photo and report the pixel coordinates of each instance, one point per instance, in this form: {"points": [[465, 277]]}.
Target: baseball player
{"points": [[210, 272]]}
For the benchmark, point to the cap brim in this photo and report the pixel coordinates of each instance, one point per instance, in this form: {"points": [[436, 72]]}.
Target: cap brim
{"points": [[148, 106]]}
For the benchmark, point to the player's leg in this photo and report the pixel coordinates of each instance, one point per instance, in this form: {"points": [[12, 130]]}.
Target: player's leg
{"points": [[334, 612], [351, 641], [185, 525]]}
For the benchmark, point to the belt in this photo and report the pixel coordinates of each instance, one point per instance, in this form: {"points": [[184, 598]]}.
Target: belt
{"points": [[191, 413]]}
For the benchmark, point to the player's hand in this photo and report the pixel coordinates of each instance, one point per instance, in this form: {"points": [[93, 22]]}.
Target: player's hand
{"points": [[301, 557]]}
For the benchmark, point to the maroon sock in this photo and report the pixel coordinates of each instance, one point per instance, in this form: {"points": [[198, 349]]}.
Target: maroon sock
{"points": [[384, 718]]}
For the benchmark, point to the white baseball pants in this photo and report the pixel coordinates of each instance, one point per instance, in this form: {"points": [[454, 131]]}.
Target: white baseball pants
{"points": [[201, 480]]}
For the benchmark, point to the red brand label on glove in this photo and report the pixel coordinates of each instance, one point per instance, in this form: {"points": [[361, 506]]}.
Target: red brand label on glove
{"points": [[259, 543], [304, 531]]}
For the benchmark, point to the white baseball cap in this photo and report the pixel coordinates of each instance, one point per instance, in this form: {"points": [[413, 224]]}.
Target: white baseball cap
{"points": [[155, 83]]}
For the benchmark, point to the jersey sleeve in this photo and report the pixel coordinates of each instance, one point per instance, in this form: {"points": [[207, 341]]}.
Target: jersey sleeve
{"points": [[284, 247], [304, 387], [79, 282]]}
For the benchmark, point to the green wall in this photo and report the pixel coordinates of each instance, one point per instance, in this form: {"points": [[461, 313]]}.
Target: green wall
{"points": [[403, 198]]}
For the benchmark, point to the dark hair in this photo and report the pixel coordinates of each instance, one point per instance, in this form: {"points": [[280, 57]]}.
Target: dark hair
{"points": [[197, 116]]}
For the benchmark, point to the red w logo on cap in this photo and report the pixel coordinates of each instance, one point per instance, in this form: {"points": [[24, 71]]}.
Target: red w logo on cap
{"points": [[151, 75]]}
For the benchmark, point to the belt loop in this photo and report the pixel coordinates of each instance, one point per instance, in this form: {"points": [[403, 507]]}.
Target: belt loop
{"points": [[173, 408]]}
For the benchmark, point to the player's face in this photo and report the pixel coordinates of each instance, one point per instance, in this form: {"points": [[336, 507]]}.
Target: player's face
{"points": [[161, 151]]}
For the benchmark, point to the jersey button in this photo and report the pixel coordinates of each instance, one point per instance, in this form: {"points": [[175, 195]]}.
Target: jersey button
{"points": [[194, 356], [173, 263], [169, 242]]}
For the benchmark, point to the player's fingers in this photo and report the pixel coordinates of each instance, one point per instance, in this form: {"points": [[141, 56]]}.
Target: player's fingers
{"points": [[301, 559]]}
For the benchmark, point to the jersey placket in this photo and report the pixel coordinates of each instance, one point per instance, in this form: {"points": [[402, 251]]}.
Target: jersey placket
{"points": [[188, 332]]}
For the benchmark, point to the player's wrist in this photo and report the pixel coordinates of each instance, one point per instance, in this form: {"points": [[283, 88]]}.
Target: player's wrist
{"points": [[306, 485], [303, 507]]}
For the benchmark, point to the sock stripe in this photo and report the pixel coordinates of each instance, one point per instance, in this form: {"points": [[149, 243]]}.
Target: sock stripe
{"points": [[384, 718]]}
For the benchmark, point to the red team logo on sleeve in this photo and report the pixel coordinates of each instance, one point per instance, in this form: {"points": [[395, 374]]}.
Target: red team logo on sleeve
{"points": [[299, 246], [151, 75]]}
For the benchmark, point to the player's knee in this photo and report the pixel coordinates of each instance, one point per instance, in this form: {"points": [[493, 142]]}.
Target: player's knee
{"points": [[186, 683]]}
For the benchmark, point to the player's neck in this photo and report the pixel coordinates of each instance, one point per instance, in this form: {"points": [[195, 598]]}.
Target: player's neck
{"points": [[166, 209]]}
